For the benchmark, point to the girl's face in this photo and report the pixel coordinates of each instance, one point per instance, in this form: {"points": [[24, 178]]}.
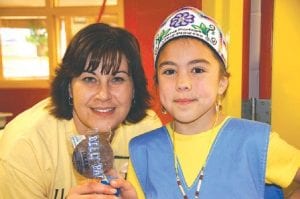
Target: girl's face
{"points": [[189, 82], [101, 101]]}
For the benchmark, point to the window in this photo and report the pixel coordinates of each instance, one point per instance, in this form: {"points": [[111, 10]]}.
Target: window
{"points": [[34, 40], [24, 48]]}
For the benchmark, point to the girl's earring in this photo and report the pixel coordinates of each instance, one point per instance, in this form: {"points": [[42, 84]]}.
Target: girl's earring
{"points": [[218, 104], [163, 110]]}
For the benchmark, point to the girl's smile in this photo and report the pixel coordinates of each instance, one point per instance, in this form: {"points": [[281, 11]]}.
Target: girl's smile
{"points": [[184, 101]]}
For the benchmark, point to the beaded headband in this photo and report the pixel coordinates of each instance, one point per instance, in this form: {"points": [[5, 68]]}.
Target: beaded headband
{"points": [[191, 22]]}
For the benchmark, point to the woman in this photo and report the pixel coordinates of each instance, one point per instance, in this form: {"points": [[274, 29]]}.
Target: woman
{"points": [[99, 85], [203, 153]]}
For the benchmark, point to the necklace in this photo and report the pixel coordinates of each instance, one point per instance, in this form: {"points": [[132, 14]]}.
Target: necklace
{"points": [[201, 174]]}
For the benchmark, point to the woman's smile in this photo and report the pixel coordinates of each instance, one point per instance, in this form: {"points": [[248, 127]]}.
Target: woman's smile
{"points": [[104, 110]]}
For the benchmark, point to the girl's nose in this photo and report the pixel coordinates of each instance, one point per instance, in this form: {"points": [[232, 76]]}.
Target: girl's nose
{"points": [[183, 82]]}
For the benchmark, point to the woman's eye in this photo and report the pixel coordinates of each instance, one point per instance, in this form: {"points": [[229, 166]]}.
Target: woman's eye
{"points": [[89, 80], [118, 79], [198, 70]]}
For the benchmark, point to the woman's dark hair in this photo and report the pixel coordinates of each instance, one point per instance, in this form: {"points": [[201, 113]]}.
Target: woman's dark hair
{"points": [[103, 44]]}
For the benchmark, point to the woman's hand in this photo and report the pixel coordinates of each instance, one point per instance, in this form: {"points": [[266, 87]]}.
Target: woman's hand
{"points": [[96, 190], [92, 189]]}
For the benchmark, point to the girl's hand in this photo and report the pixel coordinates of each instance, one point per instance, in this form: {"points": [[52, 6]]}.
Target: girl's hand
{"points": [[127, 190]]}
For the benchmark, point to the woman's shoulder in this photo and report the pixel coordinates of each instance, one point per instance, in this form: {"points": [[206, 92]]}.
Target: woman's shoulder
{"points": [[151, 115], [149, 122], [35, 119], [34, 127]]}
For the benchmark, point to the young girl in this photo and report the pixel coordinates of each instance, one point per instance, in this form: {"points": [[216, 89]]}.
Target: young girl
{"points": [[203, 153]]}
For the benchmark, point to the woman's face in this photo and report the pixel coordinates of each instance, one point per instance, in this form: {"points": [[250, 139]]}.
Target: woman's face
{"points": [[189, 82], [101, 101]]}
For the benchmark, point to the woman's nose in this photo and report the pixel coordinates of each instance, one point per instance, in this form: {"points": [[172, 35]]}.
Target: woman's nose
{"points": [[103, 92]]}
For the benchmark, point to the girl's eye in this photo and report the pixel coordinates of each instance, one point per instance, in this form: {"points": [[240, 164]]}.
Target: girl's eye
{"points": [[198, 70], [169, 72]]}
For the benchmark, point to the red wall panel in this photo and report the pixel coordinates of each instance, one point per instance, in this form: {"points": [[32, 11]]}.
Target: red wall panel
{"points": [[17, 100], [246, 45], [265, 65]]}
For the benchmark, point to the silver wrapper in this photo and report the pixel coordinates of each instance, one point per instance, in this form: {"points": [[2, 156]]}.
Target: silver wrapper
{"points": [[93, 156]]}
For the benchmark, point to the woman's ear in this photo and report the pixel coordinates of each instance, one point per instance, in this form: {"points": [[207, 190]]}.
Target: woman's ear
{"points": [[223, 84]]}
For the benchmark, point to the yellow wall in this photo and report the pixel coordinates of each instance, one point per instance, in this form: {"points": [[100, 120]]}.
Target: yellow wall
{"points": [[229, 16], [285, 116], [285, 100]]}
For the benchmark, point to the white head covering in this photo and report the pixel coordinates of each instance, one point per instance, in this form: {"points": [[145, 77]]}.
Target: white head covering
{"points": [[191, 22]]}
